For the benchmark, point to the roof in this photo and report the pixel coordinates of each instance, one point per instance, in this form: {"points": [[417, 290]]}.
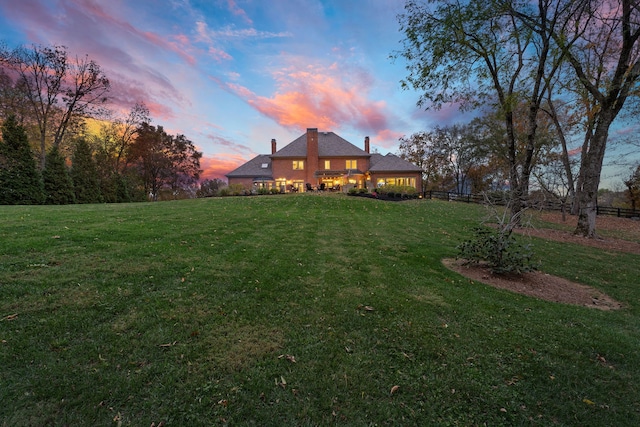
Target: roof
{"points": [[391, 163], [329, 145], [254, 168]]}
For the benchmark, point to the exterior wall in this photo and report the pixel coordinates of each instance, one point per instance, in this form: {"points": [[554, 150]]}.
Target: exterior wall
{"points": [[340, 163], [283, 168]]}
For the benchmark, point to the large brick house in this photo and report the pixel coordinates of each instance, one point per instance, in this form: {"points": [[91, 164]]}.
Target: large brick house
{"points": [[324, 160]]}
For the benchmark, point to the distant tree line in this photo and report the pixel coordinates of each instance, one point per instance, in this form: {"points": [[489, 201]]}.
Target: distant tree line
{"points": [[47, 154]]}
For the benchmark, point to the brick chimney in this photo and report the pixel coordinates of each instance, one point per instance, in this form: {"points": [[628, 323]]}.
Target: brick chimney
{"points": [[312, 155], [366, 144], [273, 146]]}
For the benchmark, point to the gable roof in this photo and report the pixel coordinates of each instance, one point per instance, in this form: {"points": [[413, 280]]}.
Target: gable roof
{"points": [[391, 163], [329, 145], [253, 168]]}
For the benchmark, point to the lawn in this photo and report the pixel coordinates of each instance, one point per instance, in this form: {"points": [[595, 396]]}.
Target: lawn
{"points": [[297, 310]]}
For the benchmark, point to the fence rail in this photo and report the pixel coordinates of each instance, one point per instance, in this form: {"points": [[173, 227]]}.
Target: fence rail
{"points": [[502, 200]]}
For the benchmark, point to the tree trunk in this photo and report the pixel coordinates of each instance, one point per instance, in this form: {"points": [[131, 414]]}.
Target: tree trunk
{"points": [[588, 194]]}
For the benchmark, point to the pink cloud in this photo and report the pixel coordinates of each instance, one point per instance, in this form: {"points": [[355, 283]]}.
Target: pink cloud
{"points": [[386, 138], [315, 96], [236, 10], [217, 167]]}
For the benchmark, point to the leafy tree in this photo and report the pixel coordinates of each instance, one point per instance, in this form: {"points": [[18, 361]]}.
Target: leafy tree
{"points": [[84, 174], [164, 161], [20, 180], [149, 159], [184, 164], [58, 186], [633, 188], [463, 152], [210, 187], [419, 149], [59, 90], [475, 52]]}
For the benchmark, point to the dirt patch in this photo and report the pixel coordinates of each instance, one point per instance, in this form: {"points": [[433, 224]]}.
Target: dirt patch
{"points": [[538, 285], [552, 288]]}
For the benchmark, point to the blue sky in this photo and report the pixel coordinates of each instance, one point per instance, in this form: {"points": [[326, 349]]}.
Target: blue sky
{"points": [[233, 74]]}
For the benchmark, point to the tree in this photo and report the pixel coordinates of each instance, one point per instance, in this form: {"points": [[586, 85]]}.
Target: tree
{"points": [[84, 174], [463, 152], [419, 149], [604, 54], [58, 186], [59, 90], [633, 188], [184, 164], [210, 187], [20, 180], [112, 152], [164, 161], [472, 52]]}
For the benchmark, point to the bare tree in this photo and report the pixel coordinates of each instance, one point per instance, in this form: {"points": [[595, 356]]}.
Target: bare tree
{"points": [[58, 90]]}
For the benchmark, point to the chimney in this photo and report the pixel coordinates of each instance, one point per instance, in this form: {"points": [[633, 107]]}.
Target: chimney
{"points": [[366, 144], [273, 146], [312, 154]]}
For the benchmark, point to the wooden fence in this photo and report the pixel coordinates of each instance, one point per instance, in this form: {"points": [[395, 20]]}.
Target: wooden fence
{"points": [[501, 199]]}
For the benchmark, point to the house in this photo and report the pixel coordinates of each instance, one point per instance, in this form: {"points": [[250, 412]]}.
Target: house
{"points": [[324, 160]]}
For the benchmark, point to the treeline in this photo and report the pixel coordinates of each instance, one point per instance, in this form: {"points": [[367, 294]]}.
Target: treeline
{"points": [[47, 153]]}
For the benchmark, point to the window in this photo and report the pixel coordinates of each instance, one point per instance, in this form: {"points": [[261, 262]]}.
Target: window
{"points": [[404, 181], [352, 164], [298, 165], [265, 165], [327, 164]]}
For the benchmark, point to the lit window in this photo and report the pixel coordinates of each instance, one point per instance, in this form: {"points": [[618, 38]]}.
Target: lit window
{"points": [[298, 165], [327, 164], [352, 164]]}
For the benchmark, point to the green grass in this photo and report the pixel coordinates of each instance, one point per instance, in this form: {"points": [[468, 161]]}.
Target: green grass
{"points": [[192, 312]]}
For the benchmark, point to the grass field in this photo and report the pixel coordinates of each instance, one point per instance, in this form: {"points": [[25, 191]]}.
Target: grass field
{"points": [[297, 310]]}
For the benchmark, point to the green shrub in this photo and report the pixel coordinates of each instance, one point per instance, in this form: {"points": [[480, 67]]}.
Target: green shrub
{"points": [[237, 190], [499, 249], [353, 191], [363, 191]]}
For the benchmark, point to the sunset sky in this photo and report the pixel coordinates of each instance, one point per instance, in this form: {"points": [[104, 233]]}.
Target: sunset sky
{"points": [[233, 74]]}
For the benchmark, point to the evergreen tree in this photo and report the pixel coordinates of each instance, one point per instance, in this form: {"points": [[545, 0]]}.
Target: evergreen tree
{"points": [[20, 180], [84, 174], [58, 186]]}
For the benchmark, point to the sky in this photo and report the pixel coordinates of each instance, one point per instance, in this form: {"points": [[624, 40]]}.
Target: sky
{"points": [[231, 75]]}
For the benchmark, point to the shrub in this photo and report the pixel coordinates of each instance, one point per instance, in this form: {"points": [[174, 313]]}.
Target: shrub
{"points": [[353, 191], [499, 249], [363, 191], [237, 190]]}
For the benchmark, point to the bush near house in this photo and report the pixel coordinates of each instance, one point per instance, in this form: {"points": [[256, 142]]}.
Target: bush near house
{"points": [[398, 191]]}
